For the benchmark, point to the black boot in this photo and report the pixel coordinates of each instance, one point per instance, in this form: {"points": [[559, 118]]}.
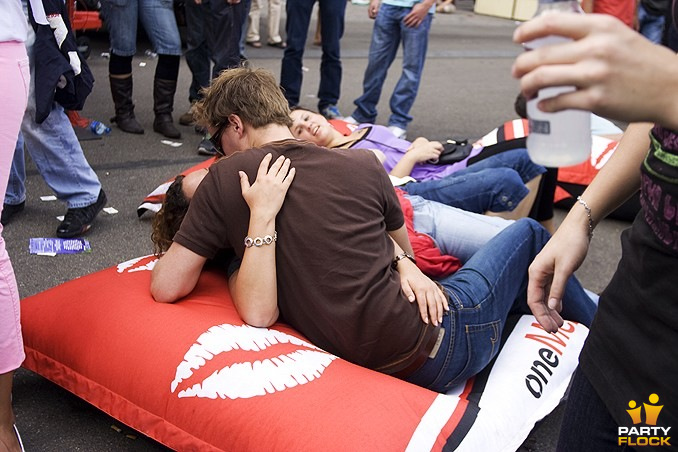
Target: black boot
{"points": [[163, 103], [121, 89]]}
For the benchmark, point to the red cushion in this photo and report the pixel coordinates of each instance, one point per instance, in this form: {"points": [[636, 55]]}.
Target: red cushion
{"points": [[193, 377]]}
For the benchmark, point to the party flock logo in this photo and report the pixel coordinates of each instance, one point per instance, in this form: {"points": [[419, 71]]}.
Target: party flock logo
{"points": [[648, 434]]}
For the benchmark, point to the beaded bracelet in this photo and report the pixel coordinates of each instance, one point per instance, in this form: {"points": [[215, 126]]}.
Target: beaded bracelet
{"points": [[260, 241], [581, 201]]}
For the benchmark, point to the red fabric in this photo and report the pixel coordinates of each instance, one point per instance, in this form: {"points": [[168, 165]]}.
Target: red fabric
{"points": [[585, 172], [341, 126], [428, 256], [624, 10], [121, 351]]}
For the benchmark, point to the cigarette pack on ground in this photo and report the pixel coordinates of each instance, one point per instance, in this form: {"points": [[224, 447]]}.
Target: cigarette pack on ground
{"points": [[53, 246]]}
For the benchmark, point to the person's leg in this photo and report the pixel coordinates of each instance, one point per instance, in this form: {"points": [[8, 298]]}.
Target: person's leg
{"points": [[516, 159], [224, 35], [456, 232], [383, 49], [246, 6], [491, 189], [649, 25], [482, 293], [253, 20], [121, 19], [274, 9], [197, 50], [16, 185], [157, 17], [524, 206], [332, 29], [14, 73], [415, 45], [291, 75], [57, 154], [529, 172], [587, 424]]}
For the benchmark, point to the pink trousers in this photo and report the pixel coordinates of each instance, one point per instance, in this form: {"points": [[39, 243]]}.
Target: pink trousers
{"points": [[14, 82]]}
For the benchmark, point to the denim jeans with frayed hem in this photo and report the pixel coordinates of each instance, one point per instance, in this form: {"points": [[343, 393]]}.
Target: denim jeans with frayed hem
{"points": [[389, 30], [489, 287]]}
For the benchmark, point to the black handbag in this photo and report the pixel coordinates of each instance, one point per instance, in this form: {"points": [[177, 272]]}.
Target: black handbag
{"points": [[454, 150]]}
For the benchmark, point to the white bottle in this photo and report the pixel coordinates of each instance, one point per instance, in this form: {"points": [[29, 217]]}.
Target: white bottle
{"points": [[562, 138]]}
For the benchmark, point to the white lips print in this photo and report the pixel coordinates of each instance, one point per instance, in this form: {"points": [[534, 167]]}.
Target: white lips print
{"points": [[249, 379]]}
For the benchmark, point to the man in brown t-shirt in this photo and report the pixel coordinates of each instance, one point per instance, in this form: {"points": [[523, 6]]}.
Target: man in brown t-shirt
{"points": [[333, 253], [328, 252]]}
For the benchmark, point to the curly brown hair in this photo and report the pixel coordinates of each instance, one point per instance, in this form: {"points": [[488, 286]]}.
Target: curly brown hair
{"points": [[167, 221]]}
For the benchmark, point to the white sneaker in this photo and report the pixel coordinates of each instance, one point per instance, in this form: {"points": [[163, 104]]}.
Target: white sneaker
{"points": [[350, 120], [398, 132]]}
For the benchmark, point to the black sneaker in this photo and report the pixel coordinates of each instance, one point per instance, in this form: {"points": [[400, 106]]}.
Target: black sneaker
{"points": [[9, 210], [78, 221], [206, 148]]}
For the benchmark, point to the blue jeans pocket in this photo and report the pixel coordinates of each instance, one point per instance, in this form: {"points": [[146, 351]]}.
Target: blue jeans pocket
{"points": [[482, 343]]}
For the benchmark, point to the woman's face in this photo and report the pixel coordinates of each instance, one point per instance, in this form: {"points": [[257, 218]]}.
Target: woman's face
{"points": [[191, 181], [312, 127]]}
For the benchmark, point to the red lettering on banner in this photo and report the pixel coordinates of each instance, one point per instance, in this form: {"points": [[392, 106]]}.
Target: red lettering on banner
{"points": [[551, 340]]}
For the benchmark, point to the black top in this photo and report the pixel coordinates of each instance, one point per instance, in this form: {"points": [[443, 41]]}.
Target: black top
{"points": [[632, 350]]}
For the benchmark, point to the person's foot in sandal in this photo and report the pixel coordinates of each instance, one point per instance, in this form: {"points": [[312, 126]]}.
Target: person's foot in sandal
{"points": [[280, 45], [255, 44]]}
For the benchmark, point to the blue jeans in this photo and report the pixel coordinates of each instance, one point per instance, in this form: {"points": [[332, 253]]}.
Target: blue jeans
{"points": [[197, 54], [489, 287], [59, 159], [157, 17], [56, 152], [455, 231], [388, 31], [331, 29], [649, 25], [496, 183]]}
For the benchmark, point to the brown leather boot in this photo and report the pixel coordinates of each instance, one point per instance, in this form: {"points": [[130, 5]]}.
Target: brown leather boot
{"points": [[163, 104], [121, 89]]}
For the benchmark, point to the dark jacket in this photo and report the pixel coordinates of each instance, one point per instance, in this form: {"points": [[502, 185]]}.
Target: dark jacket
{"points": [[51, 62]]}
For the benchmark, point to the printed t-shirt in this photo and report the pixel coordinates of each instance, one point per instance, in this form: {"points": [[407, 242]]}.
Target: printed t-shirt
{"points": [[630, 352], [333, 254]]}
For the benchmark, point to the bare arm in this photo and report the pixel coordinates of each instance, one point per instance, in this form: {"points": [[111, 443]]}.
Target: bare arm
{"points": [[253, 286], [401, 241], [419, 151], [564, 253], [416, 285], [175, 274]]}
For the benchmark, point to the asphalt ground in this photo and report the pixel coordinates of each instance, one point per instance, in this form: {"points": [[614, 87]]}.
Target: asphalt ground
{"points": [[466, 91]]}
